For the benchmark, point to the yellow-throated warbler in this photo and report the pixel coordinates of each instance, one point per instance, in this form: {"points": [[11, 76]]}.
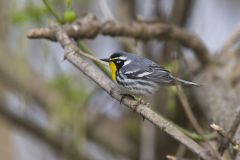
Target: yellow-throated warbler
{"points": [[140, 76]]}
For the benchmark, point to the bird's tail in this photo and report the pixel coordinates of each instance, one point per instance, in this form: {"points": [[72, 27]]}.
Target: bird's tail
{"points": [[184, 82]]}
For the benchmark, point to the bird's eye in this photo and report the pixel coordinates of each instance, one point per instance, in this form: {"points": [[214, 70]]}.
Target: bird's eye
{"points": [[118, 62]]}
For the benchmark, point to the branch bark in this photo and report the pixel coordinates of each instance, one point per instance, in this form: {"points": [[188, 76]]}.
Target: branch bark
{"points": [[90, 27], [72, 54]]}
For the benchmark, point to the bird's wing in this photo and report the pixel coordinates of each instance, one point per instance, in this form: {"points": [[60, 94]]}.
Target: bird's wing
{"points": [[159, 75], [152, 72]]}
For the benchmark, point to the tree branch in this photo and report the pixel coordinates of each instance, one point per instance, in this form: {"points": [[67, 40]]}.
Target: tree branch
{"points": [[90, 27], [188, 110], [72, 54]]}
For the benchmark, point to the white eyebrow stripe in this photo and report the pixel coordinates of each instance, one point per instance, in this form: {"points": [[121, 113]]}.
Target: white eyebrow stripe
{"points": [[121, 58], [144, 74]]}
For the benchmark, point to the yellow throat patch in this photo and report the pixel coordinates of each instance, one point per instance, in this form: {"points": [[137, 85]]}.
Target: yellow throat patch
{"points": [[113, 69]]}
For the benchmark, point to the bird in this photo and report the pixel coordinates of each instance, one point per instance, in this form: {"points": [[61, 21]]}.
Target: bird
{"points": [[139, 76]]}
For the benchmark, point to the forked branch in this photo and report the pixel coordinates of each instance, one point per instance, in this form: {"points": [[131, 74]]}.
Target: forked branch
{"points": [[90, 27]]}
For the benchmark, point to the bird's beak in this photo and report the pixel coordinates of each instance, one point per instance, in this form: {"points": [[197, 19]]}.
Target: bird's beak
{"points": [[106, 59]]}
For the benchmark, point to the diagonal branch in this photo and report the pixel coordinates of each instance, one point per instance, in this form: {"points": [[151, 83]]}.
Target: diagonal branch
{"points": [[72, 54], [90, 27], [188, 110]]}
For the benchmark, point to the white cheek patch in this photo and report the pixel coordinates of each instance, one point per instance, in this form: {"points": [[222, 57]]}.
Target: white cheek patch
{"points": [[144, 74], [127, 62]]}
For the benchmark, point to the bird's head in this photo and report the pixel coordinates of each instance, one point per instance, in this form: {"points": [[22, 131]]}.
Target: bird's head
{"points": [[116, 61]]}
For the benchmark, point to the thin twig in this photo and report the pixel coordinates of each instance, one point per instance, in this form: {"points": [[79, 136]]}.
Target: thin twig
{"points": [[72, 55], [170, 157], [230, 134], [231, 41], [192, 118], [221, 132], [181, 150], [89, 56], [188, 110], [96, 61], [185, 104], [53, 12]]}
